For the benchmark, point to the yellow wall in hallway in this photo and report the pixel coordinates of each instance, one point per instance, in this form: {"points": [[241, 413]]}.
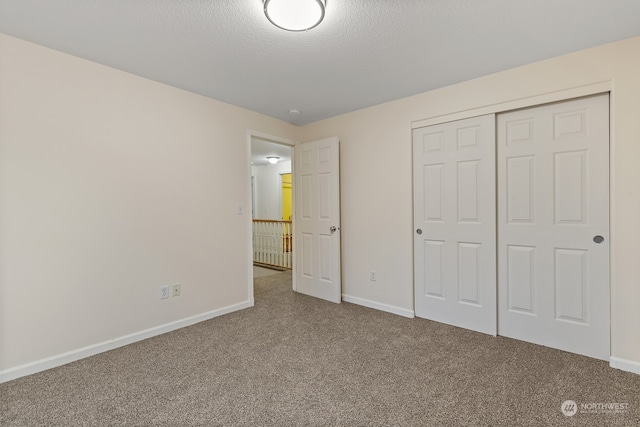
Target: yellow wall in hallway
{"points": [[287, 197]]}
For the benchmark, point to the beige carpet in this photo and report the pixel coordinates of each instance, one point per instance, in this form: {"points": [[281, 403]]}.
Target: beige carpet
{"points": [[293, 360], [259, 271]]}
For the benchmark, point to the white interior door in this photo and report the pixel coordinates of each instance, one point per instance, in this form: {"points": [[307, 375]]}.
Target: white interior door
{"points": [[317, 219], [553, 192], [455, 223]]}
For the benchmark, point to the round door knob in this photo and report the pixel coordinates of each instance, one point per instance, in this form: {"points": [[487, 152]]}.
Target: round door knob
{"points": [[333, 229], [419, 231], [598, 239]]}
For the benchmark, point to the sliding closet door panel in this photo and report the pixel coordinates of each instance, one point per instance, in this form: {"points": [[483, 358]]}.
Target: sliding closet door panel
{"points": [[553, 203], [454, 220]]}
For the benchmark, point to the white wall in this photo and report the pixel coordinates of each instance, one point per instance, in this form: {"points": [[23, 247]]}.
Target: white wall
{"points": [[110, 186], [269, 188], [376, 186]]}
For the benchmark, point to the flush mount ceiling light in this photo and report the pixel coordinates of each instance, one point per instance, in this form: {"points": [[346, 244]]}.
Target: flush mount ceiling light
{"points": [[273, 159], [295, 15]]}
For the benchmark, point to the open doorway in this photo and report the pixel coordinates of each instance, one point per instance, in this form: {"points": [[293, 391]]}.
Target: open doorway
{"points": [[312, 245], [272, 205]]}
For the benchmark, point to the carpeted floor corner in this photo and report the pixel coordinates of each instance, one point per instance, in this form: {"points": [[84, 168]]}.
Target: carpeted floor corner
{"points": [[293, 360]]}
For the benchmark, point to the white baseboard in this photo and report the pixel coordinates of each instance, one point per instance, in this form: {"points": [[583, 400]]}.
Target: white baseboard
{"points": [[625, 365], [379, 306], [81, 353]]}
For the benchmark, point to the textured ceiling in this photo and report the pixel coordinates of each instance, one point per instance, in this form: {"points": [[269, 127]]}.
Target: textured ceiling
{"points": [[364, 53]]}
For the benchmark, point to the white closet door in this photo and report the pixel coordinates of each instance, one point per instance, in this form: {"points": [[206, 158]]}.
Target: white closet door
{"points": [[553, 209], [455, 223]]}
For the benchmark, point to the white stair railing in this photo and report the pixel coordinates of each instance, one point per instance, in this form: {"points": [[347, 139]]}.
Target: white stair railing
{"points": [[273, 243]]}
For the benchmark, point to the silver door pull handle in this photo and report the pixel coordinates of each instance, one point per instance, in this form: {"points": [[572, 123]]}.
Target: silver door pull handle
{"points": [[419, 231], [333, 229], [598, 239]]}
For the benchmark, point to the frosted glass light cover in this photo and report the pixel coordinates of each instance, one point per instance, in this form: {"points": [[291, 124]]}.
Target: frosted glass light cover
{"points": [[294, 15]]}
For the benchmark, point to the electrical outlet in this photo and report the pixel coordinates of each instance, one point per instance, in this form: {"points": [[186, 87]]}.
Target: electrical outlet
{"points": [[164, 292], [175, 290], [373, 276]]}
